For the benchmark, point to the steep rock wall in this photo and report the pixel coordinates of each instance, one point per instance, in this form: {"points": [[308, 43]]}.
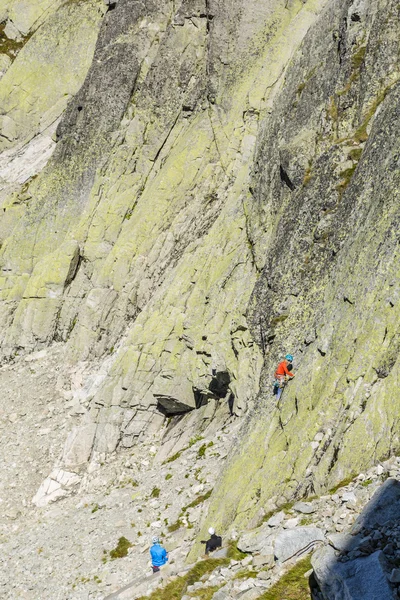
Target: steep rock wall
{"points": [[217, 154], [329, 288], [133, 244]]}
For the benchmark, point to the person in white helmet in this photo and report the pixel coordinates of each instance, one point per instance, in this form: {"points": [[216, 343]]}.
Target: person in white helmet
{"points": [[159, 555], [214, 542]]}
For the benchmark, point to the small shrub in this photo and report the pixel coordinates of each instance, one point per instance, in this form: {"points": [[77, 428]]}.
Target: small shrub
{"points": [[202, 450], [168, 476], [155, 493], [122, 548]]}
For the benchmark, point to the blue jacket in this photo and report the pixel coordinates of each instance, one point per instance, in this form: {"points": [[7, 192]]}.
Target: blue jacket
{"points": [[159, 555]]}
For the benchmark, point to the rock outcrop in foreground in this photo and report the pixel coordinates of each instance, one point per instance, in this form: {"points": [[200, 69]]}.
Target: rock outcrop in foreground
{"points": [[189, 190]]}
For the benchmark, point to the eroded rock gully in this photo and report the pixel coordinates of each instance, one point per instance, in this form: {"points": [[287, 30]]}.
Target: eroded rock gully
{"points": [[189, 190]]}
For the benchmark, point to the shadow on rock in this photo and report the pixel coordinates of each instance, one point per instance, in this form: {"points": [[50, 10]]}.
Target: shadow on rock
{"points": [[363, 564]]}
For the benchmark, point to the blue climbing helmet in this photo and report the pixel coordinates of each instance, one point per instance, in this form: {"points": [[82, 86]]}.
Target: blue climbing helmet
{"points": [[289, 357]]}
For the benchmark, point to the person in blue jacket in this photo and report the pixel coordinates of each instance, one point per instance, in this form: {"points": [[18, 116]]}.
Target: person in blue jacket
{"points": [[159, 555]]}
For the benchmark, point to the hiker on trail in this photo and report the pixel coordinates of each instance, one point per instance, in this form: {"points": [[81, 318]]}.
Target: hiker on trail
{"points": [[159, 555], [214, 542], [282, 374]]}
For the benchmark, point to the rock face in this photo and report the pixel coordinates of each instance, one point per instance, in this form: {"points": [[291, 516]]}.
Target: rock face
{"points": [[325, 185], [365, 567], [189, 190]]}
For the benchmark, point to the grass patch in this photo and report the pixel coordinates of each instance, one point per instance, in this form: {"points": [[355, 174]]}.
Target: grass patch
{"points": [[194, 440], [366, 483], [308, 175], [175, 526], [342, 483], [174, 456], [355, 154], [177, 588], [306, 520], [245, 574], [11, 47], [206, 593], [234, 553], [178, 523], [358, 58], [155, 492], [122, 549], [346, 178], [202, 450], [197, 501], [293, 585]]}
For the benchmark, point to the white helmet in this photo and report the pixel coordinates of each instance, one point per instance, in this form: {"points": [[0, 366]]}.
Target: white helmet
{"points": [[155, 539], [211, 531]]}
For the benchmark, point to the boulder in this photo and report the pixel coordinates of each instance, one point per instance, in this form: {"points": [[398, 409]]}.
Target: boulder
{"points": [[276, 519], [359, 579], [258, 541], [305, 508], [294, 542], [174, 395]]}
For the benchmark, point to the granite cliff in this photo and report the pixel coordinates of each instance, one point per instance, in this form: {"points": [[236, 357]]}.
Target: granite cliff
{"points": [[188, 190]]}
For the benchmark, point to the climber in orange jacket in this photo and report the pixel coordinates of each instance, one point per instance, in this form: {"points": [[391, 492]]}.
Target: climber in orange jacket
{"points": [[282, 374]]}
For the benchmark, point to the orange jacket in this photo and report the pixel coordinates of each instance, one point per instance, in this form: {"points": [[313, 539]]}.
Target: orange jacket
{"points": [[282, 370]]}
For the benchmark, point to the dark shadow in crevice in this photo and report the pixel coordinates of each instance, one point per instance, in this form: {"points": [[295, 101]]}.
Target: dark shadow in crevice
{"points": [[286, 179]]}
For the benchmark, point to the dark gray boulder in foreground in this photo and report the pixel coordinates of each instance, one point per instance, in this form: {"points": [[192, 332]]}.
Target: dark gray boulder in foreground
{"points": [[363, 568]]}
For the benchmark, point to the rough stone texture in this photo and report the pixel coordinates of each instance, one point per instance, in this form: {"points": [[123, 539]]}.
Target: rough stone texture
{"points": [[326, 187], [220, 189], [384, 508], [362, 579], [294, 542]]}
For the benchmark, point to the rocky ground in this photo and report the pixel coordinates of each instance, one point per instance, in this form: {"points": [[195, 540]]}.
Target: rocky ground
{"points": [[62, 551]]}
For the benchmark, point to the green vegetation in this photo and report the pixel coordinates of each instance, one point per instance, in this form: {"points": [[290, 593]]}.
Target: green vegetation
{"points": [[177, 588], [168, 476], [11, 47], [128, 481], [355, 154], [155, 492], [342, 483], [122, 548], [178, 523], [358, 58], [346, 178], [206, 593], [95, 508], [302, 85], [174, 456], [306, 520], [293, 585], [202, 450], [245, 574], [234, 553], [175, 526], [194, 440], [366, 482], [197, 501]]}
